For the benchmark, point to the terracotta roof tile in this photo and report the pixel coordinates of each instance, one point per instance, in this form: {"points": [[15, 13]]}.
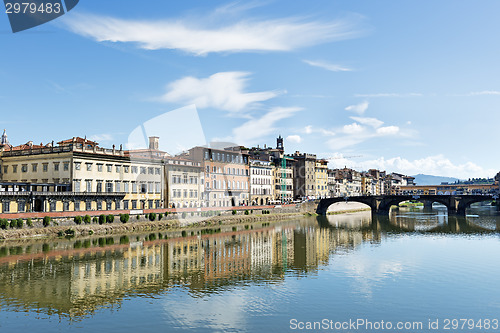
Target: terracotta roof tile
{"points": [[77, 139]]}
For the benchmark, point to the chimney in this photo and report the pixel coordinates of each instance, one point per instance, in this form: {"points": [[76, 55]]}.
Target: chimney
{"points": [[154, 142]]}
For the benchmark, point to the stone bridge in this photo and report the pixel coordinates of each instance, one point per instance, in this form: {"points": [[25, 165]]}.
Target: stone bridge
{"points": [[381, 204]]}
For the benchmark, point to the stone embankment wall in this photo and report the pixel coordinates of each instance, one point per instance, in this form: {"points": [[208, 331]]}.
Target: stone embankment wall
{"points": [[61, 226], [173, 220]]}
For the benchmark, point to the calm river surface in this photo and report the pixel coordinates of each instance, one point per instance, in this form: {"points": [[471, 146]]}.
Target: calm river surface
{"points": [[411, 267]]}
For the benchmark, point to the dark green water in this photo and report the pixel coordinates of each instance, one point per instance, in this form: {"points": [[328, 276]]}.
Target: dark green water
{"points": [[411, 268]]}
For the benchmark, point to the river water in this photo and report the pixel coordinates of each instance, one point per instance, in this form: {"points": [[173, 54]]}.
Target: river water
{"points": [[411, 267]]}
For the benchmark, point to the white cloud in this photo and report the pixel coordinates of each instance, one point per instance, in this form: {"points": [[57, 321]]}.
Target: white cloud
{"points": [[358, 108], [327, 66], [388, 130], [251, 131], [437, 165], [373, 122], [204, 34], [353, 128], [294, 138], [308, 129], [354, 134], [223, 90], [389, 95]]}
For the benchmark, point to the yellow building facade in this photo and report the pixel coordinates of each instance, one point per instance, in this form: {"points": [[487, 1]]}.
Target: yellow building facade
{"points": [[77, 175], [321, 177]]}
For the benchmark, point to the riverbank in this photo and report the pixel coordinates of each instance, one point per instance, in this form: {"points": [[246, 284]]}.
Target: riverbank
{"points": [[67, 226], [140, 226]]}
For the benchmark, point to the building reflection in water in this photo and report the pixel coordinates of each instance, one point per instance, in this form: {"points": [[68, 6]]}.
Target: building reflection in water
{"points": [[76, 278]]}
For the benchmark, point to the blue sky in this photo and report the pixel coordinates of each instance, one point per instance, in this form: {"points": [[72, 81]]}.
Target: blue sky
{"points": [[409, 87]]}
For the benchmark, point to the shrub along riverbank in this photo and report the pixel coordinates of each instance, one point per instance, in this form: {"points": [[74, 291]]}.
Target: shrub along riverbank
{"points": [[124, 223]]}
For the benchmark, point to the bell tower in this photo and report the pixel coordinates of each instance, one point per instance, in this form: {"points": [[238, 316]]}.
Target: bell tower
{"points": [[279, 143], [4, 141], [154, 143]]}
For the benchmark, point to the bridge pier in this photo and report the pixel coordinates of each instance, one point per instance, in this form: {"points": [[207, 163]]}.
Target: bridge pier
{"points": [[380, 212], [427, 204], [456, 212]]}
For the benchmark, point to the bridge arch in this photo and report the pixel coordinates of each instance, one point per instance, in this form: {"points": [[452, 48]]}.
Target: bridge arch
{"points": [[467, 201], [347, 205], [396, 200], [324, 204], [381, 204]]}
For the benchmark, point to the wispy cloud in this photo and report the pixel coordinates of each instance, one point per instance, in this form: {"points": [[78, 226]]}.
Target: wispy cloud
{"points": [[483, 93], [251, 131], [67, 89], [224, 91], [328, 66], [312, 96], [358, 108], [354, 134], [201, 36], [237, 7], [105, 137], [309, 129], [342, 142], [389, 95]]}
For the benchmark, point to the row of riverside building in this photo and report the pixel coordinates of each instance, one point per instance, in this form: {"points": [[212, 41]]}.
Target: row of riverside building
{"points": [[79, 175]]}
